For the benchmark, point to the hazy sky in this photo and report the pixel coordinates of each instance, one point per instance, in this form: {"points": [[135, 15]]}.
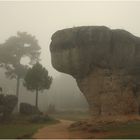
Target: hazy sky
{"points": [[42, 19]]}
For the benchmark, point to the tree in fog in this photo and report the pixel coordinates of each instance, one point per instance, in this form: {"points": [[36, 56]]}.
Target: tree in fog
{"points": [[13, 50], [37, 79]]}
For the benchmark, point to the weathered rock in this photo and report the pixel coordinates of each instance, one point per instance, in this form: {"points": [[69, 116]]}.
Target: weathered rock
{"points": [[105, 64], [28, 109]]}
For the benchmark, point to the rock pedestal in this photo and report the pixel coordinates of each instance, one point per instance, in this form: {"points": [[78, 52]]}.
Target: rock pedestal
{"points": [[107, 94], [105, 64]]}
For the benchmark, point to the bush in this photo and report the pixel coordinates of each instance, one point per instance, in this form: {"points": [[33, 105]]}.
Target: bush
{"points": [[7, 105], [28, 109], [40, 119]]}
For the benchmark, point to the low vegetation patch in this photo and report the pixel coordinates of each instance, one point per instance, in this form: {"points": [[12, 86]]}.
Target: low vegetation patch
{"points": [[22, 127], [130, 130], [8, 131], [119, 130]]}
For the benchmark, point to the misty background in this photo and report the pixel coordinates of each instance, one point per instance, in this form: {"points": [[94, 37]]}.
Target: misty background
{"points": [[42, 19]]}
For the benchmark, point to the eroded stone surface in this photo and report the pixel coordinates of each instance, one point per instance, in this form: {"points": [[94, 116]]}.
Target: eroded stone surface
{"points": [[105, 64]]}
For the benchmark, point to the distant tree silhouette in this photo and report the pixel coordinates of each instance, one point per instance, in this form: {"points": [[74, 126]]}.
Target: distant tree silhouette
{"points": [[13, 50], [0, 89], [51, 108], [37, 79]]}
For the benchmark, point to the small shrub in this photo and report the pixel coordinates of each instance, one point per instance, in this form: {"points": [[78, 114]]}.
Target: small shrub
{"points": [[7, 105], [40, 119], [28, 109]]}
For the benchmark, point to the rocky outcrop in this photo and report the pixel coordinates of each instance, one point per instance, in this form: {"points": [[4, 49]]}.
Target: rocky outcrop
{"points": [[105, 64]]}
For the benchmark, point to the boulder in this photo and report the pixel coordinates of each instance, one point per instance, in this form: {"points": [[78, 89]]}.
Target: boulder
{"points": [[105, 63]]}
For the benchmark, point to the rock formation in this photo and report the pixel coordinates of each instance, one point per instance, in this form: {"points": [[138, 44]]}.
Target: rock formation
{"points": [[105, 64]]}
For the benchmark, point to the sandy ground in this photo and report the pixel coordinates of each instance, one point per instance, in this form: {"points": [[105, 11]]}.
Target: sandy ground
{"points": [[60, 131]]}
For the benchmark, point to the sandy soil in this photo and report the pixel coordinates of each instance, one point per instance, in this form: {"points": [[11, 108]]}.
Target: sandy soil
{"points": [[60, 131]]}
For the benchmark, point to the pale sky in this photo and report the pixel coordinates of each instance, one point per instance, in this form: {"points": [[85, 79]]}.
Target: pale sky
{"points": [[42, 19]]}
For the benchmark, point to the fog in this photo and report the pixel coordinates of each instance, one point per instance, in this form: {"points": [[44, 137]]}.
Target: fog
{"points": [[42, 19]]}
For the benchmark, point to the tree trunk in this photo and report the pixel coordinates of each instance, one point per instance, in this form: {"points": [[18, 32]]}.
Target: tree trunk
{"points": [[17, 88], [36, 103], [17, 93]]}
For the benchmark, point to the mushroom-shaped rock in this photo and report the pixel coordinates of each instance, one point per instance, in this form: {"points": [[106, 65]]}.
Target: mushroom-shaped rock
{"points": [[105, 64]]}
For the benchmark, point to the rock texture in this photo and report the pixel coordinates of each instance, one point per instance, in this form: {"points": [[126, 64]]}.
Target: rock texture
{"points": [[105, 64]]}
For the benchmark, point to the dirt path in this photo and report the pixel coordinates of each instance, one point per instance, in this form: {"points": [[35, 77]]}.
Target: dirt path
{"points": [[59, 131]]}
